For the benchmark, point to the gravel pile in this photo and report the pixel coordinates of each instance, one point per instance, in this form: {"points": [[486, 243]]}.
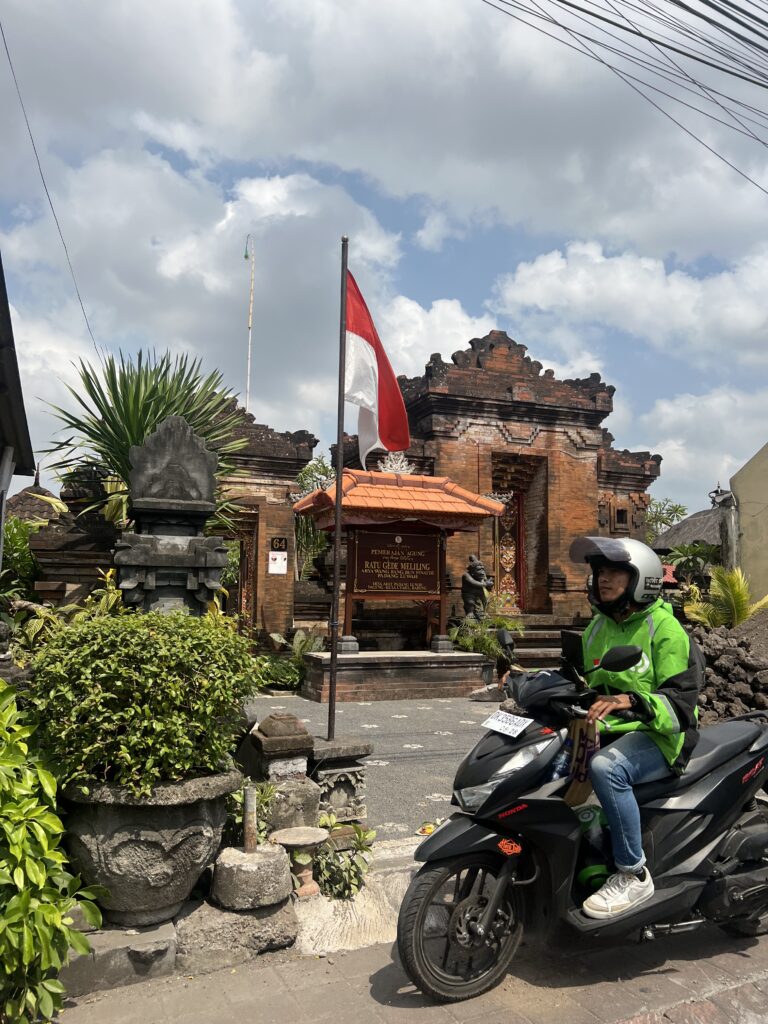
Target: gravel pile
{"points": [[736, 679]]}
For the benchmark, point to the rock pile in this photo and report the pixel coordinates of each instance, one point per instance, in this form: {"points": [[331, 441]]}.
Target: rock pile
{"points": [[736, 678]]}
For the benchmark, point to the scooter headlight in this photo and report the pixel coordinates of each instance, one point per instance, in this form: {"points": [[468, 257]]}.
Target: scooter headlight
{"points": [[472, 797]]}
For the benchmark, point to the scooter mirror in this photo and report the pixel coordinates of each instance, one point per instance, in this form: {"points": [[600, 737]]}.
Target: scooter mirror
{"points": [[618, 659], [505, 639]]}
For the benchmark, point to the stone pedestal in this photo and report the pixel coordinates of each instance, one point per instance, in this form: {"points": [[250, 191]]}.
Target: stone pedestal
{"points": [[276, 749], [301, 843], [348, 645], [337, 768], [441, 645], [245, 881]]}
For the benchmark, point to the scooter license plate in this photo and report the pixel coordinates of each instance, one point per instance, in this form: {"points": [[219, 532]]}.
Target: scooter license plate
{"points": [[509, 725]]}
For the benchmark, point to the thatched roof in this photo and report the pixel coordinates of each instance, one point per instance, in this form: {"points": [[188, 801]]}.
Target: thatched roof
{"points": [[700, 527]]}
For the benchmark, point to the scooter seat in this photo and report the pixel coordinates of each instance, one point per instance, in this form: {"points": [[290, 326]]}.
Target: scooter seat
{"points": [[717, 744]]}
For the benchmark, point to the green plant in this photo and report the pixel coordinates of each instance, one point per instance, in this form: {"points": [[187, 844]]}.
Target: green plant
{"points": [[230, 574], [233, 829], [18, 559], [341, 873], [660, 515], [311, 542], [121, 402], [280, 672], [690, 560], [479, 636], [729, 602], [302, 643], [37, 893], [32, 628], [136, 700]]}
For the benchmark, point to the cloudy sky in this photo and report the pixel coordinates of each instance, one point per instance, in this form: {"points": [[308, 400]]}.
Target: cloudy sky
{"points": [[487, 177]]}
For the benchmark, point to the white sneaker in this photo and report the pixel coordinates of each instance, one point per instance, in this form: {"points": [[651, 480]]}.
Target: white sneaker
{"points": [[620, 893]]}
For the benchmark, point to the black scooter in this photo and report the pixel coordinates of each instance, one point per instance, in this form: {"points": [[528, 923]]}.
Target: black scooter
{"points": [[515, 856]]}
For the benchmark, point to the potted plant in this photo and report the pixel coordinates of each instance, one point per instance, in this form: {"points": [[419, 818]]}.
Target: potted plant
{"points": [[137, 715]]}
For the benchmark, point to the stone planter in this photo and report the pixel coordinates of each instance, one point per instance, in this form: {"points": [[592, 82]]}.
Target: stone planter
{"points": [[147, 851]]}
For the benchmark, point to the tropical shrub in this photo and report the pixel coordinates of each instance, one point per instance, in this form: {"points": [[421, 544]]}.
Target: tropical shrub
{"points": [[136, 700], [18, 561], [120, 403], [341, 873], [729, 602], [479, 636], [311, 542], [32, 627], [289, 670], [690, 560], [37, 893]]}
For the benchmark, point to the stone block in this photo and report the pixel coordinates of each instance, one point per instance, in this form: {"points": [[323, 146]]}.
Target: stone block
{"points": [[296, 803], [121, 957], [208, 938], [245, 881]]}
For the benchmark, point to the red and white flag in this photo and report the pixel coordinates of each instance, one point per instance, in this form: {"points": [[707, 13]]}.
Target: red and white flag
{"points": [[370, 383]]}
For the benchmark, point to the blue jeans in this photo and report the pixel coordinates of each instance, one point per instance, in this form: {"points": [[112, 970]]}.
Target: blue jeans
{"points": [[631, 759]]}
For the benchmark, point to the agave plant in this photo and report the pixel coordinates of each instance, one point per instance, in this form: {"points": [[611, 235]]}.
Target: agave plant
{"points": [[121, 402], [730, 601]]}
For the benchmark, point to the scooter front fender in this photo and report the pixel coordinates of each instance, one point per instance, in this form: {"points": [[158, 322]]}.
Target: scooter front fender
{"points": [[459, 834]]}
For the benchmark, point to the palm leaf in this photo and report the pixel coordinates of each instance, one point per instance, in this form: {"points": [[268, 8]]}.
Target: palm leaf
{"points": [[122, 401]]}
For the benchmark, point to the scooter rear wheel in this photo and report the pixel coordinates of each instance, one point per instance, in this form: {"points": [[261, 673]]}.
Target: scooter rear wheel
{"points": [[441, 953]]}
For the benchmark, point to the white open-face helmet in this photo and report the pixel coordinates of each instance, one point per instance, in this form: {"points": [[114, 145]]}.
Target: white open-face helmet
{"points": [[646, 573]]}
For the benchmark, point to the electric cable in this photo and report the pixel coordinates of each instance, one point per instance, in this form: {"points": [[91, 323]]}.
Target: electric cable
{"points": [[45, 188]]}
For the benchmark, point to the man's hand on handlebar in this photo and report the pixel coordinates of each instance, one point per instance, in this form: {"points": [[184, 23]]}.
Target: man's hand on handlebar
{"points": [[608, 706]]}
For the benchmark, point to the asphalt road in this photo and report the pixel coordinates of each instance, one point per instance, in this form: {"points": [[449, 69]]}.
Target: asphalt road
{"points": [[418, 745]]}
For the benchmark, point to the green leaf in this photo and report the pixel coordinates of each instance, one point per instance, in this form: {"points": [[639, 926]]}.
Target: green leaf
{"points": [[91, 913], [45, 1003], [48, 783], [79, 942]]}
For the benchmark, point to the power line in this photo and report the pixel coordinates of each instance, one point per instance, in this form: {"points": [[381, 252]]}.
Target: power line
{"points": [[45, 187], [632, 81]]}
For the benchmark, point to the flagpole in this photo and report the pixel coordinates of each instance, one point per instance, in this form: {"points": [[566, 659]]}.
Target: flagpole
{"points": [[250, 322], [334, 621]]}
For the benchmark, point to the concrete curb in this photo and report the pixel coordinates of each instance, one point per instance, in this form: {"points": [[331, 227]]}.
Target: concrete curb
{"points": [[327, 926]]}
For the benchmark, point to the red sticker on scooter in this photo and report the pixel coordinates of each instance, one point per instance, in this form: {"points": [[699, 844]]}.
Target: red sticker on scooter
{"points": [[509, 847]]}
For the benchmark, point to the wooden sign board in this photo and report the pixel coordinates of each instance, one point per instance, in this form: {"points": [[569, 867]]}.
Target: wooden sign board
{"points": [[395, 563]]}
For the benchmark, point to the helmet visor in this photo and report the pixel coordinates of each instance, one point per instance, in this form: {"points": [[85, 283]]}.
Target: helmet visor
{"points": [[611, 549]]}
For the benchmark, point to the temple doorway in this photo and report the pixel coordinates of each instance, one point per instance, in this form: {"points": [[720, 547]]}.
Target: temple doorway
{"points": [[520, 534]]}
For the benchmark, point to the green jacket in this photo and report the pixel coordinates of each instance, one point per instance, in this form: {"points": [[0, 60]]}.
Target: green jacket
{"points": [[667, 679]]}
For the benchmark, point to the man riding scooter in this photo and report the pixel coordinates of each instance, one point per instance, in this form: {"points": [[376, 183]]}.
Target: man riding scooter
{"points": [[647, 714]]}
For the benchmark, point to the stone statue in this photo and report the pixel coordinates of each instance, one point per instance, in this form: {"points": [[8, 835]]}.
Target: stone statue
{"points": [[475, 585], [167, 564]]}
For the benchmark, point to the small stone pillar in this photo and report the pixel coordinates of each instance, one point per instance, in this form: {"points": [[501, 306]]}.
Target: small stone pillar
{"points": [[276, 751], [281, 746]]}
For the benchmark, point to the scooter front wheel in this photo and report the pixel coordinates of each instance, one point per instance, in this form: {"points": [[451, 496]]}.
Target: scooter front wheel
{"points": [[439, 946]]}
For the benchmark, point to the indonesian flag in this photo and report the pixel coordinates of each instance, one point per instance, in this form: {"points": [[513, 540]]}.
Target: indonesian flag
{"points": [[370, 384]]}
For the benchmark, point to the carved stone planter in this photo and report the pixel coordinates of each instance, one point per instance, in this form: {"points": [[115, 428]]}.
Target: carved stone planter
{"points": [[147, 851]]}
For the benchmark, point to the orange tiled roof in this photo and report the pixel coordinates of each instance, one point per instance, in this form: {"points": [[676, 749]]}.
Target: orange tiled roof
{"points": [[368, 496]]}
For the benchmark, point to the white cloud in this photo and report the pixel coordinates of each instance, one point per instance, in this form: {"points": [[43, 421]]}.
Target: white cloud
{"points": [[704, 439], [410, 333], [454, 104], [583, 287], [435, 230]]}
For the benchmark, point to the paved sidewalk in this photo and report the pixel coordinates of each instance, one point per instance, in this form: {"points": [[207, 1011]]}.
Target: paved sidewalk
{"points": [[701, 978]]}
